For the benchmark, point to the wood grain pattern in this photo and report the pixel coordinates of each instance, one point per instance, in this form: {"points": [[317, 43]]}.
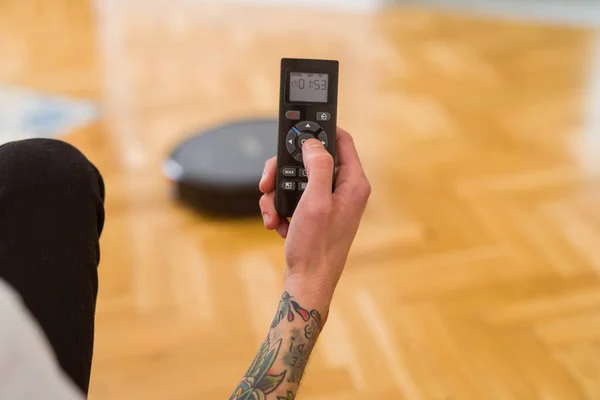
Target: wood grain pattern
{"points": [[475, 273]]}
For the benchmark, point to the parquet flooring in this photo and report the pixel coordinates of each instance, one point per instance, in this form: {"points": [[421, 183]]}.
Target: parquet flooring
{"points": [[475, 273]]}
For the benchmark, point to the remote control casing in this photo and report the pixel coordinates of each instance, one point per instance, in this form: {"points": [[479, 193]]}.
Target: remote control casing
{"points": [[287, 199]]}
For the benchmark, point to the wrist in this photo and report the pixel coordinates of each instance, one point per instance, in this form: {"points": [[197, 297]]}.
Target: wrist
{"points": [[313, 293]]}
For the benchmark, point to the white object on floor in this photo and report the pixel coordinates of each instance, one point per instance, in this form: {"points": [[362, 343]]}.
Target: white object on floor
{"points": [[26, 114]]}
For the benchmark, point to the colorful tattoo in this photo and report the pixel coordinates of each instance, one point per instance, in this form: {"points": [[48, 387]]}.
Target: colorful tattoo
{"points": [[286, 304], [257, 383], [262, 379]]}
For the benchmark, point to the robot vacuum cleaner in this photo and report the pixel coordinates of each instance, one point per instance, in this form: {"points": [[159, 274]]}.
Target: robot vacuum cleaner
{"points": [[217, 172]]}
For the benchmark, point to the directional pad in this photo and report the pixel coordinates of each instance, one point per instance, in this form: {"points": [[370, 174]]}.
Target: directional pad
{"points": [[299, 134]]}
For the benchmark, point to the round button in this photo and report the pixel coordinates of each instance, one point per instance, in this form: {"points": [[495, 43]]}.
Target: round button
{"points": [[303, 138]]}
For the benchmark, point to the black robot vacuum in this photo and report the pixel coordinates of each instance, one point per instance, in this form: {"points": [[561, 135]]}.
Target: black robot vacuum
{"points": [[217, 171]]}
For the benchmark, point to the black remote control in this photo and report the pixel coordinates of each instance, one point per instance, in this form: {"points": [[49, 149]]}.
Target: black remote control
{"points": [[307, 109]]}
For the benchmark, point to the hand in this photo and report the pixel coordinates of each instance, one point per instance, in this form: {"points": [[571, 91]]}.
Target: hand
{"points": [[324, 224]]}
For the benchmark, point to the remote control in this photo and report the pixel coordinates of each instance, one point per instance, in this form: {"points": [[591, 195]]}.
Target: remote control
{"points": [[307, 109]]}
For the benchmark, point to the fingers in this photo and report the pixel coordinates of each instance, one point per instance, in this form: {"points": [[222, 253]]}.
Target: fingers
{"points": [[267, 181], [271, 219], [283, 227], [267, 208], [319, 166], [350, 165], [351, 180]]}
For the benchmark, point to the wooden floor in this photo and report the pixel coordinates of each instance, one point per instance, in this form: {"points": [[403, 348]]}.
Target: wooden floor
{"points": [[475, 273]]}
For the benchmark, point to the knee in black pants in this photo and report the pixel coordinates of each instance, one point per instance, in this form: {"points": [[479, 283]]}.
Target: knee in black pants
{"points": [[37, 167], [51, 217]]}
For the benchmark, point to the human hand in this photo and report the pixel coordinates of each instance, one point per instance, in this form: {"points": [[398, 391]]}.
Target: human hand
{"points": [[324, 225]]}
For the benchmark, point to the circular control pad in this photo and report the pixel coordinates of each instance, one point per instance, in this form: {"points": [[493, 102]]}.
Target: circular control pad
{"points": [[301, 133]]}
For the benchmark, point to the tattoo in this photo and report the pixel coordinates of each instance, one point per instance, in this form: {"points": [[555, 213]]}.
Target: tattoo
{"points": [[257, 382], [260, 379], [286, 304], [297, 355], [315, 325], [301, 345], [290, 396]]}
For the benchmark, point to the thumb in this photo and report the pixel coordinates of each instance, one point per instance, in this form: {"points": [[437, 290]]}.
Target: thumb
{"points": [[319, 166]]}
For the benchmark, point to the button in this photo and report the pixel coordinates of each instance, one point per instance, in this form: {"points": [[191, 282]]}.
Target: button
{"points": [[302, 186], [303, 138], [290, 141], [323, 138], [298, 157], [293, 115], [303, 173], [308, 126], [323, 116], [288, 185], [288, 171]]}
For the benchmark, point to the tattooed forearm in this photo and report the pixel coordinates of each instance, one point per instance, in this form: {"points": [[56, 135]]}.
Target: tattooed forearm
{"points": [[284, 353], [258, 380], [297, 355]]}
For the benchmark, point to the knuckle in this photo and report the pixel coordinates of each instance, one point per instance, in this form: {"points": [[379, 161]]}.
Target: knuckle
{"points": [[363, 190], [264, 201], [368, 189], [322, 159], [319, 210], [350, 139]]}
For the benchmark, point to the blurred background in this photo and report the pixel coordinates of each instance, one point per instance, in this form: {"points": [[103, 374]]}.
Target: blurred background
{"points": [[475, 272]]}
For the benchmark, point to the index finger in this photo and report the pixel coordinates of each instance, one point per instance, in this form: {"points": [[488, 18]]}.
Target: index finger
{"points": [[350, 168]]}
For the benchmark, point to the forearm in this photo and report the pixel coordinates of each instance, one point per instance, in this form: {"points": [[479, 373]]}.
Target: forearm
{"points": [[277, 369]]}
